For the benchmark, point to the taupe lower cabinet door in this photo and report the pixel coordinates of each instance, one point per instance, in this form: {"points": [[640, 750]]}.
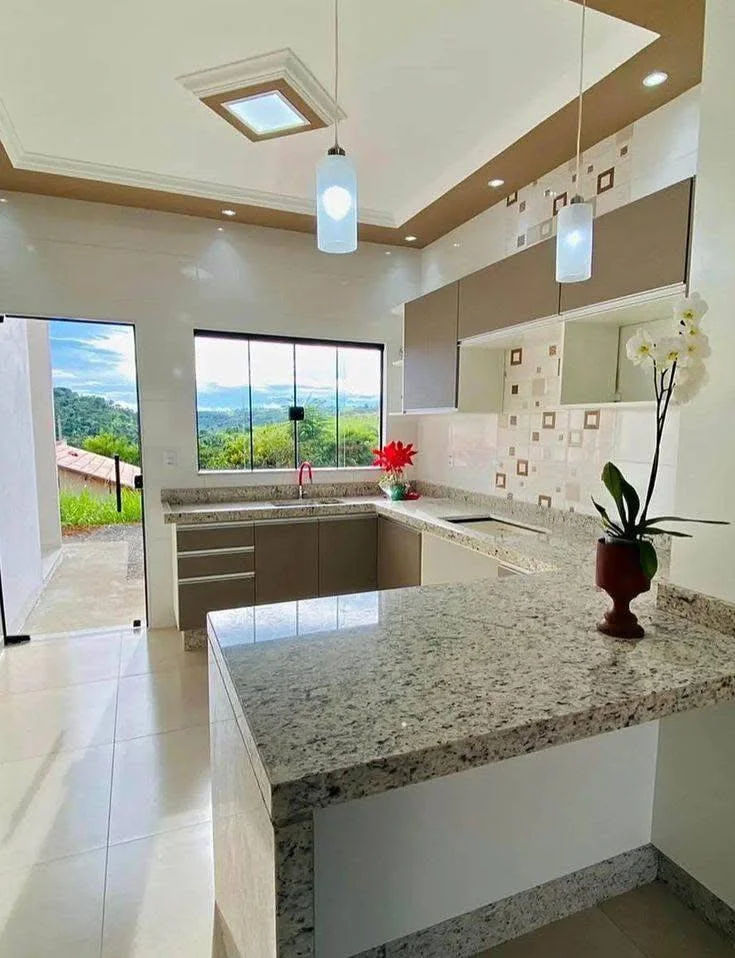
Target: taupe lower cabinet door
{"points": [[430, 350], [399, 555], [348, 555], [286, 561], [638, 247], [514, 290]]}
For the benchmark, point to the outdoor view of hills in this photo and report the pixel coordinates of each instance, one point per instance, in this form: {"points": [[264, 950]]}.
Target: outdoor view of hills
{"points": [[96, 402]]}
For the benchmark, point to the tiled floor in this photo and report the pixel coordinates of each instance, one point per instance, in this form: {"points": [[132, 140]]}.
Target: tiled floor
{"points": [[105, 813], [105, 816], [647, 923]]}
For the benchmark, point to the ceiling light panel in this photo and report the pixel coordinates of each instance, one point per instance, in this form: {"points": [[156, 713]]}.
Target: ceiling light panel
{"points": [[267, 113]]}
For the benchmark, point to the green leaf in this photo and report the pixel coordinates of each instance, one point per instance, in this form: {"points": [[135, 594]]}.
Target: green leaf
{"points": [[706, 522], [607, 521], [613, 479], [667, 532], [625, 496], [649, 559]]}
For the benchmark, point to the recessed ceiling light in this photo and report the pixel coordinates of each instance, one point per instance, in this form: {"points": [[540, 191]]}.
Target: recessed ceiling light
{"points": [[3, 199], [220, 229], [387, 252], [656, 78], [410, 238], [229, 213], [496, 184], [267, 113], [455, 245]]}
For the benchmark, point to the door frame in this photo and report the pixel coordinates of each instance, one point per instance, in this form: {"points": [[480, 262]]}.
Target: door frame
{"points": [[98, 322]]}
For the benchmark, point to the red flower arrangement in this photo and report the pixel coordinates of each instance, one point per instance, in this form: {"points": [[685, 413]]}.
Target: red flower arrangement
{"points": [[393, 459]]}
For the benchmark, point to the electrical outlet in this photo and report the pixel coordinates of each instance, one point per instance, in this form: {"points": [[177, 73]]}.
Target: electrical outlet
{"points": [[170, 458], [451, 460]]}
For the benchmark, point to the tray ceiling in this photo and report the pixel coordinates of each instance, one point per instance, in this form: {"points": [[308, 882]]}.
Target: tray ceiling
{"points": [[431, 91]]}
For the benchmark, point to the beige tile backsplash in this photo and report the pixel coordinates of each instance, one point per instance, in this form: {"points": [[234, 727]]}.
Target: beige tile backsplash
{"points": [[538, 451]]}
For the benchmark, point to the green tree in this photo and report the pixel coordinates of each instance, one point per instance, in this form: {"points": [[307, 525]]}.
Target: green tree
{"points": [[106, 444]]}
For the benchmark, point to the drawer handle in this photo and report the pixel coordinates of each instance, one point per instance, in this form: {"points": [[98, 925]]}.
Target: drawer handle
{"points": [[217, 578], [229, 550]]}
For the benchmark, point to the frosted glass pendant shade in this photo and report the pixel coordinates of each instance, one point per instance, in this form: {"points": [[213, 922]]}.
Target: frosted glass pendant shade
{"points": [[336, 204], [574, 243]]}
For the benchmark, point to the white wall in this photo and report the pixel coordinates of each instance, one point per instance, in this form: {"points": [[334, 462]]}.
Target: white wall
{"points": [[170, 274], [394, 863], [695, 788], [20, 544], [693, 821], [44, 433], [707, 450]]}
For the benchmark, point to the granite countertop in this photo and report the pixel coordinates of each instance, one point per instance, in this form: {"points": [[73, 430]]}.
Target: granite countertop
{"points": [[339, 698]]}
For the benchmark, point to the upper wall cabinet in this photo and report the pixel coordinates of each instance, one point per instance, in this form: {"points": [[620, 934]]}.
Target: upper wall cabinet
{"points": [[430, 352], [514, 290], [638, 247]]}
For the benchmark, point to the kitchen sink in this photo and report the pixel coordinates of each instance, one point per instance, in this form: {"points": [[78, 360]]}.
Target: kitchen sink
{"points": [[495, 527], [295, 503]]}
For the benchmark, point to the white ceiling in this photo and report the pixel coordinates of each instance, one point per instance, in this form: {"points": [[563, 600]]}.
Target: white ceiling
{"points": [[432, 89]]}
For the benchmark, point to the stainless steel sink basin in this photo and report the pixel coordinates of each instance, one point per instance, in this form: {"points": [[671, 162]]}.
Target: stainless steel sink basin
{"points": [[495, 527], [295, 503]]}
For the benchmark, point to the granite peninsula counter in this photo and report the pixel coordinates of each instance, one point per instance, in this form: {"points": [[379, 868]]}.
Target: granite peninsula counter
{"points": [[348, 731]]}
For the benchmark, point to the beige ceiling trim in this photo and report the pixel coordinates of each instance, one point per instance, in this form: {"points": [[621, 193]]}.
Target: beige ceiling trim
{"points": [[610, 105]]}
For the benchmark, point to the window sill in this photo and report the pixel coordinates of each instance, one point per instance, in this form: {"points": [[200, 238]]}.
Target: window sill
{"points": [[287, 472]]}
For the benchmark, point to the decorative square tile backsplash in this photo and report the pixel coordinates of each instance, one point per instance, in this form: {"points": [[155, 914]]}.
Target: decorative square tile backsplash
{"points": [[537, 450]]}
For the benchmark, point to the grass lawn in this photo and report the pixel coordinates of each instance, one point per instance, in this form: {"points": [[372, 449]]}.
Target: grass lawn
{"points": [[82, 509]]}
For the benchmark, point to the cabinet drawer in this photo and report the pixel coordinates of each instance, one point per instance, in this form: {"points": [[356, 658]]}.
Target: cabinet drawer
{"points": [[220, 562], [196, 599], [226, 535]]}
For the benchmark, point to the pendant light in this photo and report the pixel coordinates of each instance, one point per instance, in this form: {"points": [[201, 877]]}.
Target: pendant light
{"points": [[336, 183], [574, 222]]}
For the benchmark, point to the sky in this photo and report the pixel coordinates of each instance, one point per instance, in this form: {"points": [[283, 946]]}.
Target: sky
{"points": [[99, 359], [94, 358]]}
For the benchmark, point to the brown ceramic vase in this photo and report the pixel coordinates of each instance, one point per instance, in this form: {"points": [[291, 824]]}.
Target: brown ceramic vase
{"points": [[620, 574]]}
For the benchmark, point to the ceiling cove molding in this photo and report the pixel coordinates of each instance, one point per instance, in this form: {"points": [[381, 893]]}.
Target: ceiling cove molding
{"points": [[278, 64], [101, 172]]}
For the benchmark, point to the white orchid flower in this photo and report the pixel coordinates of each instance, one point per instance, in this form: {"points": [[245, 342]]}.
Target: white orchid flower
{"points": [[670, 350], [640, 348], [697, 347], [689, 310], [689, 381]]}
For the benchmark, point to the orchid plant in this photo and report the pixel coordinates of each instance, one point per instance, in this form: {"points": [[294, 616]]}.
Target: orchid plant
{"points": [[678, 369]]}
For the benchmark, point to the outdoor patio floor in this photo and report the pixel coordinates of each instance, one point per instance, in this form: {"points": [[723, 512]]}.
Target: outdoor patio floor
{"points": [[98, 583]]}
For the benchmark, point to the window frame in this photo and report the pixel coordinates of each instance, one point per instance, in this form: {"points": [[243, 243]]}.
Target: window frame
{"points": [[293, 341]]}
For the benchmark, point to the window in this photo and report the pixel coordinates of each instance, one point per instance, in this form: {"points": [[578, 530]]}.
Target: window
{"points": [[252, 392]]}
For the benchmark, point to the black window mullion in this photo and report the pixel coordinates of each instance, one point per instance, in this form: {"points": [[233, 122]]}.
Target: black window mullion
{"points": [[336, 403], [295, 424], [250, 409]]}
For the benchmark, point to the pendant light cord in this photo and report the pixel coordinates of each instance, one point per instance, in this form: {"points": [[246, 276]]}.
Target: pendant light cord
{"points": [[581, 96], [336, 73]]}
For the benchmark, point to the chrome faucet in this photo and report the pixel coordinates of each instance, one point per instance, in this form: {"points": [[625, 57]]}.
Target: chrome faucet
{"points": [[304, 466]]}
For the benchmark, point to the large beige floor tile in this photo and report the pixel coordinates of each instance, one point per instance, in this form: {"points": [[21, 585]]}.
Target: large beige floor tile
{"points": [[53, 806], [57, 720], [160, 783], [58, 663], [157, 650], [53, 910], [662, 927], [160, 897], [588, 934], [162, 702]]}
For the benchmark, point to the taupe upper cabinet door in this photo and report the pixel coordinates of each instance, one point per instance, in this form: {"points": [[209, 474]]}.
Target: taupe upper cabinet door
{"points": [[514, 290], [286, 561], [348, 555], [430, 351], [638, 247]]}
